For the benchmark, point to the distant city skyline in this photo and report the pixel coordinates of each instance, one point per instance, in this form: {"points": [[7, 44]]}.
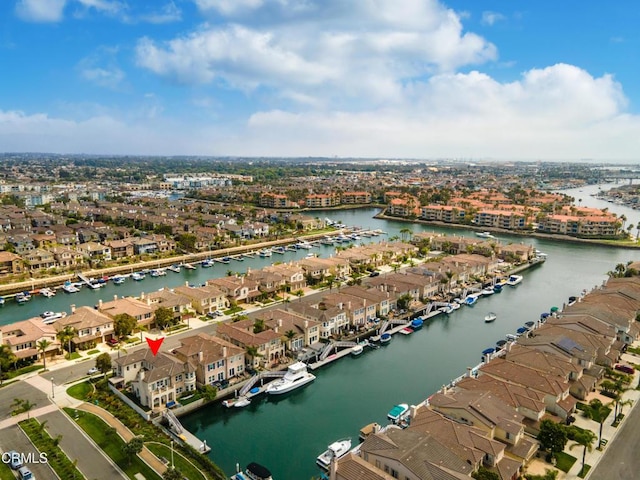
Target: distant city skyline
{"points": [[371, 78]]}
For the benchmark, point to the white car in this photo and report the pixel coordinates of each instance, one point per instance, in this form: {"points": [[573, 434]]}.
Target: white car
{"points": [[93, 370]]}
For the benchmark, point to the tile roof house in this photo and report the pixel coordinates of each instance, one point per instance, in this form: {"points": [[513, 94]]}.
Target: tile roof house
{"points": [[208, 298], [23, 338], [305, 331], [268, 342], [93, 327]]}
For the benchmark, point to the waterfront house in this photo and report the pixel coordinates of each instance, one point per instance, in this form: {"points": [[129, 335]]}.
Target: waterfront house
{"points": [[10, 263], [66, 257], [237, 288], [269, 283], [379, 303], [206, 299], [176, 302], [39, 259], [297, 331], [442, 213], [92, 327], [415, 455], [293, 275], [244, 334], [94, 251], [354, 467], [22, 338], [158, 380], [474, 265], [555, 389], [355, 198], [529, 403], [213, 359], [359, 310], [497, 419], [477, 444], [120, 248], [516, 252], [138, 309], [503, 219], [332, 319]]}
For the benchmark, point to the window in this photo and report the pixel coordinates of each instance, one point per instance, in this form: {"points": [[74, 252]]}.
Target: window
{"points": [[210, 367], [220, 363], [179, 378], [221, 376]]}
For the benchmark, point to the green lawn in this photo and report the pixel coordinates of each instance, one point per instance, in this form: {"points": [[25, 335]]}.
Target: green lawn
{"points": [[28, 369], [44, 443], [583, 472], [564, 461], [74, 356], [111, 443], [5, 472], [180, 463], [80, 390], [92, 352]]}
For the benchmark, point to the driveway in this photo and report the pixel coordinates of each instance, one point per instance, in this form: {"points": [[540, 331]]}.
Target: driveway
{"points": [[91, 461], [13, 438]]}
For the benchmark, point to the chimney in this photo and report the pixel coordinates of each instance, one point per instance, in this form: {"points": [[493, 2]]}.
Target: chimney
{"points": [[200, 357], [306, 324], [186, 284], [279, 322], [148, 301], [468, 372], [224, 352], [100, 304], [115, 297], [73, 308], [142, 296], [413, 411]]}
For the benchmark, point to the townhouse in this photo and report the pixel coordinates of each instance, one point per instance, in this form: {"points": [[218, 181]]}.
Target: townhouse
{"points": [[141, 310], [206, 299], [237, 288], [23, 337], [332, 320], [267, 343], [297, 330], [10, 263], [212, 358], [91, 326]]}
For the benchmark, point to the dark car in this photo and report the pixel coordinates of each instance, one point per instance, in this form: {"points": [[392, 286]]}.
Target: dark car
{"points": [[625, 368], [113, 342], [374, 274]]}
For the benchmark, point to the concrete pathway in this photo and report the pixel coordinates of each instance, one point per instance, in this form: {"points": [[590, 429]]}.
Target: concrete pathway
{"points": [[126, 434]]}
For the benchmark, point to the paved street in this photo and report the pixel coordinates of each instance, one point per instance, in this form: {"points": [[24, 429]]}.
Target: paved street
{"points": [[91, 462], [621, 461], [13, 438], [21, 390]]}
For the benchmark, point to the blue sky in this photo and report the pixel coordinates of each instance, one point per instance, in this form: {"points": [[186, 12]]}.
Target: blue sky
{"points": [[367, 78]]}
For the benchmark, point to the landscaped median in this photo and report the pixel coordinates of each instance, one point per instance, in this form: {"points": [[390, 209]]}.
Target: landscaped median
{"points": [[182, 464], [56, 458], [112, 444]]}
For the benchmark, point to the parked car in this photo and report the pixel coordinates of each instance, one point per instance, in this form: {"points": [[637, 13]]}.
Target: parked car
{"points": [[14, 459], [625, 368], [375, 273], [112, 341], [93, 371]]}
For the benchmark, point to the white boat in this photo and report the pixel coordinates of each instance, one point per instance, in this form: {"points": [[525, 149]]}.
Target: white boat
{"points": [[514, 280], [310, 255], [242, 402], [511, 337], [265, 252], [385, 338], [158, 272], [188, 266], [137, 276], [471, 299], [398, 412], [47, 292], [22, 297], [254, 471], [50, 317], [1, 300], [69, 287], [357, 350], [118, 279], [296, 376], [333, 452], [174, 268], [484, 235], [488, 291], [490, 317], [304, 244], [206, 263]]}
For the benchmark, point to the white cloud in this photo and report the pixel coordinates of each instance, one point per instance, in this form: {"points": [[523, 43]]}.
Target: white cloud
{"points": [[167, 14], [40, 10], [490, 18], [101, 68], [333, 50]]}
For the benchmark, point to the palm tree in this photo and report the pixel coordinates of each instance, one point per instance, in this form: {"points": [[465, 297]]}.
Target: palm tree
{"points": [[584, 438], [405, 232], [289, 334], [66, 335], [252, 351], [597, 412], [299, 294], [42, 346]]}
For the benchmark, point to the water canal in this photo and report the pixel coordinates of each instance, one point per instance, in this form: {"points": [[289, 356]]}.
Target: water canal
{"points": [[286, 434]]}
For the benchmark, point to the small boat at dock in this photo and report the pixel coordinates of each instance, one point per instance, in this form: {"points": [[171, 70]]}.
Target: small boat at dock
{"points": [[138, 276], [335, 451], [398, 412], [118, 279], [47, 292], [50, 317], [188, 266], [417, 323], [254, 471], [357, 350], [208, 263], [22, 297], [69, 287], [174, 268], [158, 272], [296, 377], [514, 280], [385, 338], [484, 235]]}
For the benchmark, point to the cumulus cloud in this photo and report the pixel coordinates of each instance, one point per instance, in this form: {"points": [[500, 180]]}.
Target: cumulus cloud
{"points": [[334, 50], [490, 18], [40, 10]]}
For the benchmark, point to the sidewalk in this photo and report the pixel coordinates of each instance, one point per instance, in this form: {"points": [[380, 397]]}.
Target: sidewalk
{"points": [[608, 431]]}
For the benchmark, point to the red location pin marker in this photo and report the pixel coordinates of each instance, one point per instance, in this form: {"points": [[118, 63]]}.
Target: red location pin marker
{"points": [[154, 345]]}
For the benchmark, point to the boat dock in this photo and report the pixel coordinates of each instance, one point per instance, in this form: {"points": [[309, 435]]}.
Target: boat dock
{"points": [[183, 434], [87, 282]]}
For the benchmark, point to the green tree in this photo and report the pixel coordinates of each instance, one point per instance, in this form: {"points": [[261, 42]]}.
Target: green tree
{"points": [[299, 294], [289, 334], [484, 474], [404, 301], [252, 352], [21, 406], [103, 362], [66, 335], [552, 436], [597, 412], [584, 438], [209, 393], [42, 346], [172, 474], [7, 357], [259, 326], [132, 448], [123, 324], [164, 317]]}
